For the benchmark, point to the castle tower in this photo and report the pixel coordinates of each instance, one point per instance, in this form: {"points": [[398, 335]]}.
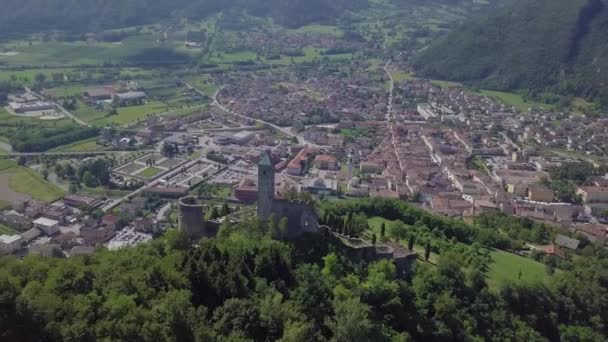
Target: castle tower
{"points": [[265, 186], [191, 216]]}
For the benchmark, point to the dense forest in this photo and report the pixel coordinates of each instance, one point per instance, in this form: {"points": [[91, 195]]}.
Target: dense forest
{"points": [[545, 46], [244, 286], [30, 16]]}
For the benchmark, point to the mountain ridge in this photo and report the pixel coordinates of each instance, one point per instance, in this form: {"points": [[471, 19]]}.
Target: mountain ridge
{"points": [[546, 46]]}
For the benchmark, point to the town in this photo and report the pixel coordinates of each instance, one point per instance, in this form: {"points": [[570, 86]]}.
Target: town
{"points": [[332, 131]]}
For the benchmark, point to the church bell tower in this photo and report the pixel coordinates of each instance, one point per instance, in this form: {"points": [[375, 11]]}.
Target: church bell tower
{"points": [[265, 187]]}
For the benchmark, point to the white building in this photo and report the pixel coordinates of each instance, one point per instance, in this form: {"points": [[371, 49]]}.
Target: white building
{"points": [[426, 111], [48, 226], [9, 244], [243, 137]]}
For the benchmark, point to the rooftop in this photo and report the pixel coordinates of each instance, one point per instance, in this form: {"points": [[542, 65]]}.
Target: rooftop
{"points": [[43, 221], [8, 239], [265, 160]]}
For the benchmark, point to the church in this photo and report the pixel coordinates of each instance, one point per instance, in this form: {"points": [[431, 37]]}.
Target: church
{"points": [[301, 217]]}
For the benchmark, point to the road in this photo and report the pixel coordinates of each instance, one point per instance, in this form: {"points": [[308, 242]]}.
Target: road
{"points": [[389, 112], [68, 154], [71, 116], [285, 131], [64, 111]]}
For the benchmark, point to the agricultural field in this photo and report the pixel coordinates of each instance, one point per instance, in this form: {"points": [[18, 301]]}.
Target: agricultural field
{"points": [[204, 84], [87, 145], [514, 100], [9, 124], [400, 76], [24, 181], [310, 54], [6, 164], [318, 28], [55, 53], [28, 76], [87, 113], [132, 114]]}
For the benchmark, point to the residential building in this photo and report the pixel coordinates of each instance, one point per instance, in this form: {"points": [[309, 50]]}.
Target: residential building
{"points": [[326, 162], [46, 225], [9, 244], [539, 194], [593, 194]]}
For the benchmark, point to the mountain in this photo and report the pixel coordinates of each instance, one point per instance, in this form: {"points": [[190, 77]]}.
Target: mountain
{"points": [[555, 46], [30, 16]]}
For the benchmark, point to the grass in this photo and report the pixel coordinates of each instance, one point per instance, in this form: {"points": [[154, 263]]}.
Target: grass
{"points": [[375, 223], [75, 53], [506, 268], [317, 28], [149, 172], [7, 164], [87, 145], [7, 230], [203, 84], [68, 91], [216, 190], [87, 113], [128, 115], [27, 182], [514, 100], [580, 105], [5, 205], [28, 75], [400, 76], [310, 54], [446, 84]]}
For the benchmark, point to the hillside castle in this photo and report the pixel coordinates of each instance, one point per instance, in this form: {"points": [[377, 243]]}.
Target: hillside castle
{"points": [[301, 216]]}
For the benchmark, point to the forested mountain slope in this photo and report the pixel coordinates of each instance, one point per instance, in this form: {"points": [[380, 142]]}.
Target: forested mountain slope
{"points": [[557, 46], [27, 16]]}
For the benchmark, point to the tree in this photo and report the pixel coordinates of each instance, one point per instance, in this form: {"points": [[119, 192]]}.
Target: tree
{"points": [[40, 78], [374, 239], [73, 187], [45, 174], [21, 161], [214, 213], [225, 209], [410, 242], [382, 230], [89, 180], [177, 240], [427, 251], [351, 321], [168, 150], [283, 222], [398, 230]]}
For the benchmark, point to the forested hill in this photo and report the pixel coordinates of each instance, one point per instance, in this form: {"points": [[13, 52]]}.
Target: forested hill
{"points": [[29, 16], [556, 46]]}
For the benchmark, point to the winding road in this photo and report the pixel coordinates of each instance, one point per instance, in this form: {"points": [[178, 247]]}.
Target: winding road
{"points": [[283, 130]]}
